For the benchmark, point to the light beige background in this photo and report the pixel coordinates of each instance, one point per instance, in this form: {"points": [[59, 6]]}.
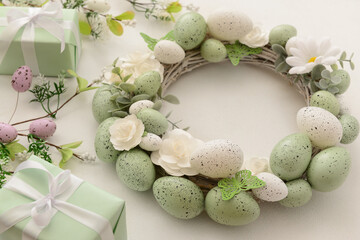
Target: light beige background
{"points": [[250, 106]]}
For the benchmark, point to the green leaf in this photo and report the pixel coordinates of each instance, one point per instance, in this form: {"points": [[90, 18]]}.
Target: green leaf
{"points": [[335, 80], [115, 62], [333, 90], [352, 55], [72, 73], [334, 67], [242, 181], [186, 129], [14, 147], [343, 56], [279, 49], [128, 87], [140, 97], [174, 7], [127, 77], [88, 89], [157, 105], [116, 70], [72, 145], [341, 64], [238, 51], [66, 154], [169, 114], [119, 114], [128, 15], [352, 65], [323, 84], [282, 67], [316, 72], [114, 26], [169, 36], [151, 42], [123, 100], [171, 99], [326, 74], [85, 28]]}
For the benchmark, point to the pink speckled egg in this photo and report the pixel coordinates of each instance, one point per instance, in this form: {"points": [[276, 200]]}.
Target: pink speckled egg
{"points": [[43, 128], [7, 133], [21, 79]]}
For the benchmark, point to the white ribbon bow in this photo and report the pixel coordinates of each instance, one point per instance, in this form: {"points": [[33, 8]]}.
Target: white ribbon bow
{"points": [[44, 207], [41, 17]]}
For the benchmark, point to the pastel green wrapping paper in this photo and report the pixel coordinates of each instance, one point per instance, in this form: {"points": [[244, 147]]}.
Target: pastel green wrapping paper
{"points": [[62, 227], [51, 61]]}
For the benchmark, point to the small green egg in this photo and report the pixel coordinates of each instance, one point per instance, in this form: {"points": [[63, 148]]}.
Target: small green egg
{"points": [[179, 197], [135, 169], [103, 147], [102, 104], [291, 156], [345, 80], [328, 169], [213, 50], [325, 100], [242, 209], [299, 193], [281, 34], [148, 83], [350, 127], [190, 30], [153, 120]]}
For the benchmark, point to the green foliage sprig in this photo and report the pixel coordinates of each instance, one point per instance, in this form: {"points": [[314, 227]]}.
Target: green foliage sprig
{"points": [[152, 41], [4, 158], [343, 59], [238, 51], [38, 147], [45, 92]]}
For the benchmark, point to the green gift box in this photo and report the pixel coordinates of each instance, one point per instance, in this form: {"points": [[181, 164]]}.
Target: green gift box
{"points": [[61, 226], [45, 56]]}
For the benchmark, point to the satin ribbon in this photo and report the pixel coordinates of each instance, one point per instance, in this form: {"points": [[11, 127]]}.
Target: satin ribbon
{"points": [[36, 17], [44, 207]]}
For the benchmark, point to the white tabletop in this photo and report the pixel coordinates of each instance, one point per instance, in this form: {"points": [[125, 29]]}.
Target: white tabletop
{"points": [[248, 105]]}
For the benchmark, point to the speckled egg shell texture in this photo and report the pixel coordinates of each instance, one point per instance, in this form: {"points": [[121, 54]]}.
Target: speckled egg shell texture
{"points": [[325, 100], [101, 104], [21, 79], [329, 169], [139, 105], [153, 120], [179, 197], [135, 169], [291, 156], [213, 50], [229, 25], [150, 142], [274, 190], [148, 83], [8, 133], [299, 193], [322, 127], [242, 209], [281, 34], [103, 147], [43, 128], [190, 30], [218, 158], [345, 80], [168, 52], [350, 127]]}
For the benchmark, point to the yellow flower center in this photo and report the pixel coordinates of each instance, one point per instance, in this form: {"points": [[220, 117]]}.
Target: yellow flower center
{"points": [[312, 59]]}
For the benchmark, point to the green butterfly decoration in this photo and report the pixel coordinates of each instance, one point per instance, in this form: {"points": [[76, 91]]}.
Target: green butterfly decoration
{"points": [[238, 51], [242, 181]]}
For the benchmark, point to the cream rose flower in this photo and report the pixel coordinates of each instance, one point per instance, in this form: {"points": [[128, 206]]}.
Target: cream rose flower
{"points": [[126, 133], [139, 63], [175, 151], [257, 165], [256, 38]]}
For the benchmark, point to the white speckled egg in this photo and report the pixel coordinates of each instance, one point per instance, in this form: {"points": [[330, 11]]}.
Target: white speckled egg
{"points": [[151, 142], [218, 158], [322, 127], [139, 105], [229, 25], [7, 133], [275, 189], [168, 52]]}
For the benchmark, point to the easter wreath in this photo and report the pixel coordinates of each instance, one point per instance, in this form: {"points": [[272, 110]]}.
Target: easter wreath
{"points": [[187, 175]]}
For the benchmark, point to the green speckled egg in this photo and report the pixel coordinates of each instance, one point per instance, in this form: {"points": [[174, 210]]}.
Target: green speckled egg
{"points": [[213, 50], [329, 169], [350, 127], [345, 80], [291, 156], [325, 100], [240, 210], [190, 30], [148, 83], [179, 197], [299, 193], [281, 34], [103, 147], [101, 104], [153, 120], [135, 169]]}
